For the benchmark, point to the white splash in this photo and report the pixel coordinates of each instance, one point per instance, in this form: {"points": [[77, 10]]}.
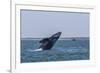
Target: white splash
{"points": [[40, 49]]}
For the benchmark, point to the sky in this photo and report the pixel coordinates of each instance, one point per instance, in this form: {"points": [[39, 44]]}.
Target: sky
{"points": [[39, 24]]}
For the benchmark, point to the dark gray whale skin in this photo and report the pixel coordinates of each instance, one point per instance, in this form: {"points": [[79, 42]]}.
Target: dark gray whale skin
{"points": [[48, 43]]}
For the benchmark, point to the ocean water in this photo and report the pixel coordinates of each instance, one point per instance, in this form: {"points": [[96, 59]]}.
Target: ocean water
{"points": [[63, 50]]}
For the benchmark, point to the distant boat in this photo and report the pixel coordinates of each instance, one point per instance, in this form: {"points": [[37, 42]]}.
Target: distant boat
{"points": [[73, 39]]}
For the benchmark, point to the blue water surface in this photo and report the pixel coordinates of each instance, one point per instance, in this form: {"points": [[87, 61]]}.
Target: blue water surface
{"points": [[63, 50]]}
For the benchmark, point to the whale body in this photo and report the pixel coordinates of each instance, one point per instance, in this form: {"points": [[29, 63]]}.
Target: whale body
{"points": [[48, 43]]}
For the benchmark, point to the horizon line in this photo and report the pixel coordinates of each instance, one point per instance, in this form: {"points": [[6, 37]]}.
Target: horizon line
{"points": [[59, 38]]}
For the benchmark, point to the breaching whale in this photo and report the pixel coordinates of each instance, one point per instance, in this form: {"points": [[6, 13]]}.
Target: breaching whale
{"points": [[48, 43]]}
